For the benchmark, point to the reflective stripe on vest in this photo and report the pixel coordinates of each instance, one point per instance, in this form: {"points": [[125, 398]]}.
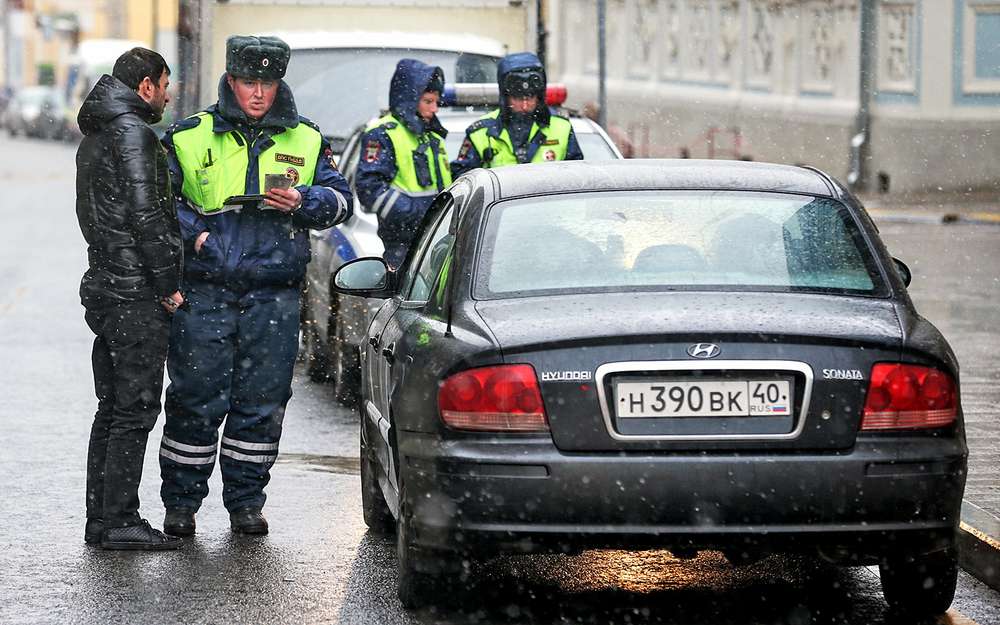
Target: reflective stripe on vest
{"points": [[215, 164], [499, 152], [415, 159]]}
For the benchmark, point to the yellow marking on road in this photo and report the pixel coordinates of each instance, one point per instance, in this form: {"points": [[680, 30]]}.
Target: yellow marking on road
{"points": [[994, 217], [989, 540], [954, 617]]}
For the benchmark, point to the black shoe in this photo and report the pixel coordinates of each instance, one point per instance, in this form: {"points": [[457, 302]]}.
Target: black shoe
{"points": [[92, 533], [248, 521], [141, 536], [179, 522]]}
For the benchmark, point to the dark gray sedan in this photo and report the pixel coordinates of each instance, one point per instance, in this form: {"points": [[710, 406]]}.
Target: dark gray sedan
{"points": [[682, 354]]}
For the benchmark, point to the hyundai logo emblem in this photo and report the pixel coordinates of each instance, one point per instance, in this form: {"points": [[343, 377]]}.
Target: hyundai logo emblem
{"points": [[704, 350]]}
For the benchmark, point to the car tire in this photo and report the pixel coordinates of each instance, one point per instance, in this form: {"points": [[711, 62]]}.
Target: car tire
{"points": [[316, 358], [418, 574], [346, 367], [920, 586], [375, 510]]}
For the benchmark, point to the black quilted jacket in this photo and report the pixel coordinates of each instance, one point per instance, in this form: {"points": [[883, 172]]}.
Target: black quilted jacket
{"points": [[123, 201]]}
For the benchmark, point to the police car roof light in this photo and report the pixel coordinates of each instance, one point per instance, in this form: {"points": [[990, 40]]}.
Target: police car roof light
{"points": [[486, 94]]}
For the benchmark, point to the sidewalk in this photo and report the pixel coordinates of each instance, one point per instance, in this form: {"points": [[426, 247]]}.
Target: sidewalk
{"points": [[979, 535]]}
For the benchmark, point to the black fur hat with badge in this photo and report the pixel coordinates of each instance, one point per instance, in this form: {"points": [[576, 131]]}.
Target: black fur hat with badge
{"points": [[262, 58]]}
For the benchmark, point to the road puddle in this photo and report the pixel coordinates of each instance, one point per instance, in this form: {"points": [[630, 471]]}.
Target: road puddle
{"points": [[323, 464]]}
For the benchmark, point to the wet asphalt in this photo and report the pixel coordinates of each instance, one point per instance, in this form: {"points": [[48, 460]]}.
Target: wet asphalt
{"points": [[318, 565]]}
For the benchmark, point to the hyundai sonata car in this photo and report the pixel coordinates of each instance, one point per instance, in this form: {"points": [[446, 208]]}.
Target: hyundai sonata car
{"points": [[680, 354]]}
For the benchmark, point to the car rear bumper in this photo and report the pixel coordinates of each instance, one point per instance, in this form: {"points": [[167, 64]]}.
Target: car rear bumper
{"points": [[875, 499]]}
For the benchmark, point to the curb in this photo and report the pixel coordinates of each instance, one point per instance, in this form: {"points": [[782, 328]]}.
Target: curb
{"points": [[977, 218], [979, 544]]}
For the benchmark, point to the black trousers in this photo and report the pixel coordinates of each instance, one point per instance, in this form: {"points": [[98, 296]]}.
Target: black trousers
{"points": [[128, 358]]}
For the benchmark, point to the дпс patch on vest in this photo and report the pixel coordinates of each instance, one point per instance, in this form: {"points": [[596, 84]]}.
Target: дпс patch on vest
{"points": [[288, 158]]}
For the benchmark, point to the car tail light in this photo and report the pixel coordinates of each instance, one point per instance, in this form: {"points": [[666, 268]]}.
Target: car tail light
{"points": [[504, 398], [903, 397]]}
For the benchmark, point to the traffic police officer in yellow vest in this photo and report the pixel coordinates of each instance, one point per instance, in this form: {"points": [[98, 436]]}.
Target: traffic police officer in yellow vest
{"points": [[403, 163], [233, 344], [523, 129]]}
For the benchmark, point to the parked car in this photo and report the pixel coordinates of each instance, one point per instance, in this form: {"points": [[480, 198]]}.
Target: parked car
{"points": [[361, 64], [680, 354], [333, 324], [37, 111]]}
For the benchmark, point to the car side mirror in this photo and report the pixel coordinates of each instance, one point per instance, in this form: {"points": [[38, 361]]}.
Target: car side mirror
{"points": [[904, 271], [365, 277]]}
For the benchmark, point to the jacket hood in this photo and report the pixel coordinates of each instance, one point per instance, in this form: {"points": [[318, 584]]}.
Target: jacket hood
{"points": [[111, 98], [410, 80], [515, 62], [283, 113]]}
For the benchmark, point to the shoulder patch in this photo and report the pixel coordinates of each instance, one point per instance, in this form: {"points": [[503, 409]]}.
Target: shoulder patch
{"points": [[328, 155], [373, 149], [463, 152]]}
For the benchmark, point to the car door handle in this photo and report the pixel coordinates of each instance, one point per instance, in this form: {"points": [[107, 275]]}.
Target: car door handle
{"points": [[389, 352]]}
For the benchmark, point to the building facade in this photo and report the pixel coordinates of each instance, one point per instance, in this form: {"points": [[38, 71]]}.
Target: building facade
{"points": [[781, 80]]}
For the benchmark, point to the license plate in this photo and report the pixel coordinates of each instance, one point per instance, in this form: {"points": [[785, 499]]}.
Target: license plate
{"points": [[729, 398]]}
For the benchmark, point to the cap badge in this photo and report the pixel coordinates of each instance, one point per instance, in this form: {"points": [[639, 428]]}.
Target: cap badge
{"points": [[265, 62]]}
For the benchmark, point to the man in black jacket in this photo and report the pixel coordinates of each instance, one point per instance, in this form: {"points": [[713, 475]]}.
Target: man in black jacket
{"points": [[125, 209]]}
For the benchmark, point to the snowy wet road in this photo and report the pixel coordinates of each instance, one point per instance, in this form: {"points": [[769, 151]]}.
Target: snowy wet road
{"points": [[318, 565]]}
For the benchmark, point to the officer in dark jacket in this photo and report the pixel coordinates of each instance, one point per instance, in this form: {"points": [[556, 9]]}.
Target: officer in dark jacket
{"points": [[523, 129], [403, 162], [125, 209], [232, 348]]}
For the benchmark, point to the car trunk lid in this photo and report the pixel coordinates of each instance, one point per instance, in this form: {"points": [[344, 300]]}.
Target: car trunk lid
{"points": [[608, 363]]}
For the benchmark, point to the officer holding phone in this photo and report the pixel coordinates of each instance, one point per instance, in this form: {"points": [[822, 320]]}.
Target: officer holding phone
{"points": [[251, 177], [523, 129]]}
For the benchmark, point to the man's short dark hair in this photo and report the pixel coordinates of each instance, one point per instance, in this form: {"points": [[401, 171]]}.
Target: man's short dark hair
{"points": [[139, 63]]}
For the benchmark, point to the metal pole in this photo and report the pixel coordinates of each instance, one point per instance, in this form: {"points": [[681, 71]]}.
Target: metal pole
{"points": [[188, 32], [541, 35], [860, 148], [602, 67]]}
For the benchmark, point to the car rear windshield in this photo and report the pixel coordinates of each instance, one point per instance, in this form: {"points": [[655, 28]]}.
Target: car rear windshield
{"points": [[340, 88], [653, 240]]}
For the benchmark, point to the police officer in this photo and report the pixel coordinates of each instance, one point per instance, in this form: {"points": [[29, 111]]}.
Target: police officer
{"points": [[233, 345], [403, 162], [523, 129]]}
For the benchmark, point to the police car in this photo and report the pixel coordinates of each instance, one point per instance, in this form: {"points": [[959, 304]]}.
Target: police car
{"points": [[334, 324]]}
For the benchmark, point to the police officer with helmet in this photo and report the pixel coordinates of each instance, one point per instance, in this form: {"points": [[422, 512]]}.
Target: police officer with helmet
{"points": [[403, 162], [251, 177], [523, 129]]}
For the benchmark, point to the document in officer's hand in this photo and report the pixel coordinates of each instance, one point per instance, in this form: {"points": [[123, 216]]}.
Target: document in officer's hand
{"points": [[275, 181], [271, 181]]}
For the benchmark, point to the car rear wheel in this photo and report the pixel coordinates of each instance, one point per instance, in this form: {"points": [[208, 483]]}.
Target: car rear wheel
{"points": [[375, 510], [420, 573], [920, 585]]}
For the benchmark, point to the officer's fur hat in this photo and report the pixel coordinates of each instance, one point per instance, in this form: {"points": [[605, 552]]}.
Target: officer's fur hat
{"points": [[265, 58]]}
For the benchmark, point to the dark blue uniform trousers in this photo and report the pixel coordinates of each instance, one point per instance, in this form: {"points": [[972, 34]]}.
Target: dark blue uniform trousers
{"points": [[231, 358]]}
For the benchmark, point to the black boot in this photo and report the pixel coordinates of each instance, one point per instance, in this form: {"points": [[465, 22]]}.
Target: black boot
{"points": [[141, 537], [92, 533], [179, 522], [248, 521]]}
